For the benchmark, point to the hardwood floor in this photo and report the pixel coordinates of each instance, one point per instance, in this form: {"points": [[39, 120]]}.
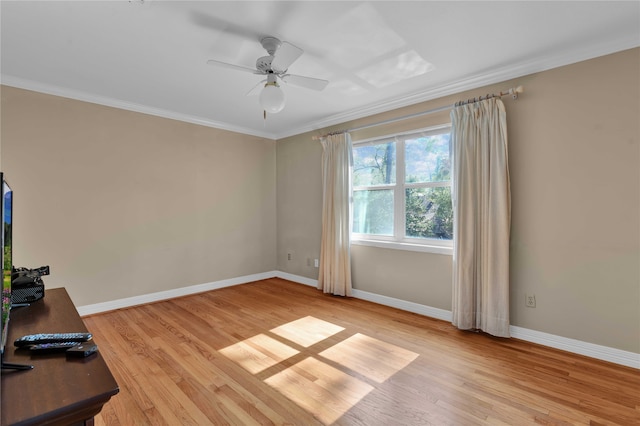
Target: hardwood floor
{"points": [[276, 352]]}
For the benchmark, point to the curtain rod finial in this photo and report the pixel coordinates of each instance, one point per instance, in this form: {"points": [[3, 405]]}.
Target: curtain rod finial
{"points": [[515, 91]]}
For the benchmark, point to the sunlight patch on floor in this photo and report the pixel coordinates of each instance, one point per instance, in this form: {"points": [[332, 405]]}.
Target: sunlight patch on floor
{"points": [[322, 390], [307, 331], [373, 358], [327, 383], [258, 353]]}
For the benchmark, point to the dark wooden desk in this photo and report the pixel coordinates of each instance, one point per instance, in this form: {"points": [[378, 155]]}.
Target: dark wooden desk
{"points": [[57, 391]]}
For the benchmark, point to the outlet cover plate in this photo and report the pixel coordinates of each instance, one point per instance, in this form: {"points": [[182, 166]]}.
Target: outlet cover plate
{"points": [[530, 300]]}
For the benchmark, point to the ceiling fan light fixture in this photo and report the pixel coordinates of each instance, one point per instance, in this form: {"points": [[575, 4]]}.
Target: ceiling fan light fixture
{"points": [[272, 97]]}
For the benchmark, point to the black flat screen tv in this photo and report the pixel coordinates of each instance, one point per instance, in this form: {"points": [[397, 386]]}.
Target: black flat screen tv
{"points": [[6, 206], [7, 210]]}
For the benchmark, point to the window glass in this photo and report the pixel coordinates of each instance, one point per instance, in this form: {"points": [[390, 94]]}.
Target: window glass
{"points": [[429, 213], [374, 164], [373, 212], [427, 159]]}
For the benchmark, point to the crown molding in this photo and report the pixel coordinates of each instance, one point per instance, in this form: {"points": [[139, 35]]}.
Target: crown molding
{"points": [[472, 82], [49, 89]]}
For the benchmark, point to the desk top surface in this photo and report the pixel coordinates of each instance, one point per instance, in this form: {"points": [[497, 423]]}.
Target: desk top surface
{"points": [[57, 388]]}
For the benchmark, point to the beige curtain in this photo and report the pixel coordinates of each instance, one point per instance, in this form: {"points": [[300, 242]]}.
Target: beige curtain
{"points": [[335, 252], [482, 212]]}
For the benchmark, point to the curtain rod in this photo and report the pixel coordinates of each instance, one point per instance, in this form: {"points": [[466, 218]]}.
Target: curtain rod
{"points": [[512, 91]]}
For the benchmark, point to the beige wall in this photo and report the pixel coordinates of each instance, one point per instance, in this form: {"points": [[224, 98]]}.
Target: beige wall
{"points": [[123, 204], [574, 152]]}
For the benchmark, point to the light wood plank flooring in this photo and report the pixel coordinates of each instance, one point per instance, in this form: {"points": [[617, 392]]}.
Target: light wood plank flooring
{"points": [[276, 352]]}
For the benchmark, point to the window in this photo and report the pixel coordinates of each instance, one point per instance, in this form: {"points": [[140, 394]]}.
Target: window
{"points": [[402, 191]]}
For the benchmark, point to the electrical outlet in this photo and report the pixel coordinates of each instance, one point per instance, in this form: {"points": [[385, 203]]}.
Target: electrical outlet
{"points": [[288, 256], [530, 300], [315, 263]]}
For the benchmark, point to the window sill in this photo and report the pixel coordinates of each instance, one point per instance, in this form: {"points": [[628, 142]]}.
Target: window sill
{"points": [[394, 245]]}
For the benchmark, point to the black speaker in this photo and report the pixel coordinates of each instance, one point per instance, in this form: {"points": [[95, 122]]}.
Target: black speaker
{"points": [[26, 293]]}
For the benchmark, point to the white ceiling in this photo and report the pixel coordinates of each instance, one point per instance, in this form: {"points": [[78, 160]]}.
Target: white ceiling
{"points": [[150, 56]]}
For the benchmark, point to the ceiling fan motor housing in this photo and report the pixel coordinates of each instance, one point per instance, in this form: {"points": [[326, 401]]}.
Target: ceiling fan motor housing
{"points": [[271, 45], [263, 64]]}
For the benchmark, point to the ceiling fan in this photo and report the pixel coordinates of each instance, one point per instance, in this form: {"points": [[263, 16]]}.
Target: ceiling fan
{"points": [[274, 67]]}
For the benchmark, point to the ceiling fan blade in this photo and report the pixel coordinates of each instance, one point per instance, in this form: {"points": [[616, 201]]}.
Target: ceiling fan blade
{"points": [[286, 54], [232, 66], [307, 82], [256, 88], [217, 24]]}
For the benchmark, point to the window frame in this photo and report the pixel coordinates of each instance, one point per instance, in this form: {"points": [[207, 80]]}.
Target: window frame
{"points": [[399, 240]]}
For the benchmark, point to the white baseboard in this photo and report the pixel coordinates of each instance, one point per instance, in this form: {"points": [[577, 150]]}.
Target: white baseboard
{"points": [[416, 308], [170, 294], [297, 278], [605, 353]]}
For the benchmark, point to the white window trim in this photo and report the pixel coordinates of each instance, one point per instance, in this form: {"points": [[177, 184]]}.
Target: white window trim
{"points": [[396, 242], [396, 245]]}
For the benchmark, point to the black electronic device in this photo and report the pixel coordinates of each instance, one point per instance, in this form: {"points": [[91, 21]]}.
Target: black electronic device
{"points": [[36, 339], [82, 350], [27, 285], [26, 292], [35, 272], [47, 348]]}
